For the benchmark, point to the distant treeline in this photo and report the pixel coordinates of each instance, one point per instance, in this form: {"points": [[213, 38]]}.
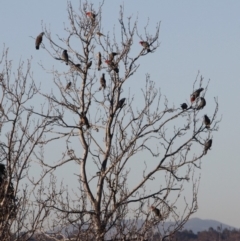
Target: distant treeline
{"points": [[210, 235]]}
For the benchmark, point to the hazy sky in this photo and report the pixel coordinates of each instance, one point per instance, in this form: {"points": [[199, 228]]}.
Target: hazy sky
{"points": [[195, 36]]}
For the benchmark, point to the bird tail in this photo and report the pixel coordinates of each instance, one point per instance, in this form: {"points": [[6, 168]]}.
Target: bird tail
{"points": [[37, 47], [100, 88]]}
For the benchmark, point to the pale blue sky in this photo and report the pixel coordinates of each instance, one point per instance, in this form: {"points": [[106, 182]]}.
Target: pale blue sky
{"points": [[195, 35]]}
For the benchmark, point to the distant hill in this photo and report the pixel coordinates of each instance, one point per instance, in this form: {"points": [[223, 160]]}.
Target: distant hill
{"points": [[194, 224], [198, 225]]}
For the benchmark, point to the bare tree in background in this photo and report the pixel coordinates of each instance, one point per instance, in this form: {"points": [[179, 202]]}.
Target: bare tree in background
{"points": [[133, 158], [112, 132], [21, 133]]}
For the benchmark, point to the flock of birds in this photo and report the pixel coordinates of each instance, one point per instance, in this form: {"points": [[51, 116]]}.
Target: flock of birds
{"points": [[194, 96], [111, 64]]}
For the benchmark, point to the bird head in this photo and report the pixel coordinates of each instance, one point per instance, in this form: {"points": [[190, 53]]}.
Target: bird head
{"points": [[91, 14], [107, 61], [192, 98], [42, 33], [141, 42]]}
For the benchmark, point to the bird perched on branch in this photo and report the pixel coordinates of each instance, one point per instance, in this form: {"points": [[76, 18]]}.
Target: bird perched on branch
{"points": [[112, 55], [65, 56], [206, 121], [89, 64], [195, 94], [145, 45], [92, 16], [121, 103], [112, 66], [84, 121], [68, 85], [184, 106], [201, 104], [100, 34], [102, 82], [192, 98], [116, 69], [99, 61], [207, 146], [77, 67], [156, 211], [104, 164], [39, 40]]}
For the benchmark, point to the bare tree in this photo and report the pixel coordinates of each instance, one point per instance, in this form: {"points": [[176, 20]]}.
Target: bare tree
{"points": [[134, 159], [21, 134]]}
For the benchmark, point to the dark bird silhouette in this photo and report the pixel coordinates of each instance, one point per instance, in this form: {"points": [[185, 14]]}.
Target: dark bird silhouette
{"points": [[2, 168], [39, 40], [156, 211], [145, 45], [112, 55], [102, 82], [112, 66], [121, 103], [77, 67], [116, 69], [201, 104], [195, 94], [68, 85], [100, 34], [207, 146], [89, 64], [99, 61], [104, 165], [84, 121], [184, 106], [65, 56], [207, 121]]}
